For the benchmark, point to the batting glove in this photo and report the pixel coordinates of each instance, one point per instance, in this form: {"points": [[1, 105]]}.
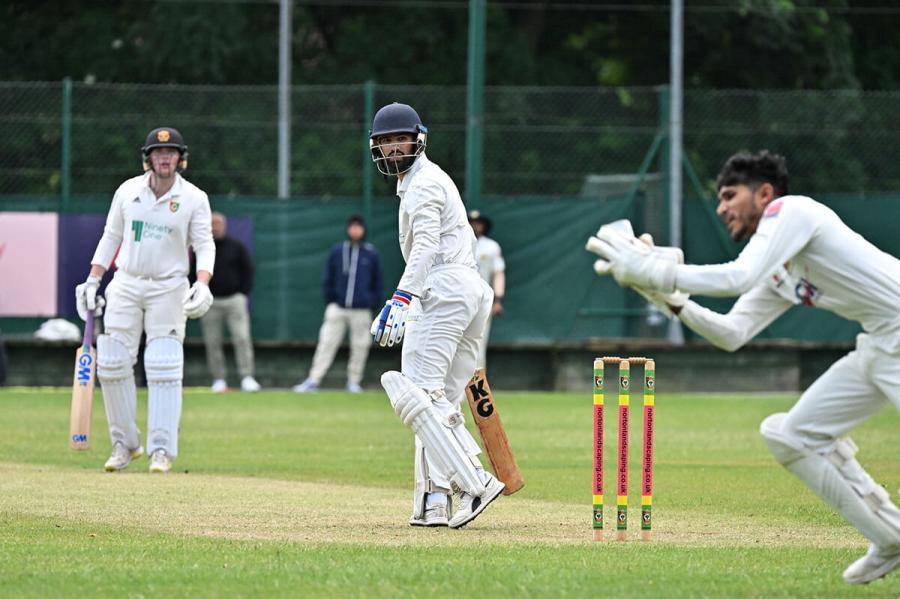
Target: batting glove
{"points": [[86, 298], [390, 324], [197, 300]]}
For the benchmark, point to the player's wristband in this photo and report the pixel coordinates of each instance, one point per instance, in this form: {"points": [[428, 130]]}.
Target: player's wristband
{"points": [[402, 296]]}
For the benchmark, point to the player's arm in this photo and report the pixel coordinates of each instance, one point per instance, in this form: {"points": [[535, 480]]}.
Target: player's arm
{"points": [[425, 227], [201, 239], [111, 239], [783, 231], [751, 313]]}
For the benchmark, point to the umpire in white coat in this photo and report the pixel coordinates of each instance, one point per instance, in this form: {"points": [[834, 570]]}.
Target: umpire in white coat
{"points": [[153, 220], [445, 304]]}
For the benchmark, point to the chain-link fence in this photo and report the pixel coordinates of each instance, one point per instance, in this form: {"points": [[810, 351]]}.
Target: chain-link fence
{"points": [[537, 141]]}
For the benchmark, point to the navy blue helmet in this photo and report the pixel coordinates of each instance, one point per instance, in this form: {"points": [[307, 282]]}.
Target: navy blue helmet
{"points": [[165, 137], [396, 119]]}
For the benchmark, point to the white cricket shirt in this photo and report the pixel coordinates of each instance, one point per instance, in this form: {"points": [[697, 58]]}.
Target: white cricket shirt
{"points": [[434, 227], [155, 233], [801, 253], [489, 258]]}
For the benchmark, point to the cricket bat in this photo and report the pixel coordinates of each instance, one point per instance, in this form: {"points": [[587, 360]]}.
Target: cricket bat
{"points": [[493, 437], [83, 389]]}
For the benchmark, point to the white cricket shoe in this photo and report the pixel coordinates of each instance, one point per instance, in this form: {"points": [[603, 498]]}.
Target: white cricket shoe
{"points": [[877, 562], [160, 461], [472, 505], [121, 457], [219, 386], [354, 388], [435, 515], [306, 386], [248, 383]]}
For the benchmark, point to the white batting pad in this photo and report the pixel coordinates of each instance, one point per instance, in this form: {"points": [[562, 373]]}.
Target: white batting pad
{"points": [[836, 476], [417, 412], [164, 365], [116, 376]]}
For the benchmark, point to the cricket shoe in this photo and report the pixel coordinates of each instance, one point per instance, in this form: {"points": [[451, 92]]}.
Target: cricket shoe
{"points": [[219, 386], [876, 563], [121, 457], [354, 388], [160, 461], [472, 505], [248, 383], [306, 386], [435, 515]]}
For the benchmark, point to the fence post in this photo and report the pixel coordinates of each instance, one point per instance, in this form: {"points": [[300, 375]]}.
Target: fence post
{"points": [[368, 115], [66, 157], [475, 102], [664, 100]]}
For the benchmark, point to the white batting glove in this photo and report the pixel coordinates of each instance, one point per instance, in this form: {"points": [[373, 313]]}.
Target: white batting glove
{"points": [[390, 324], [86, 298], [197, 300], [631, 262]]}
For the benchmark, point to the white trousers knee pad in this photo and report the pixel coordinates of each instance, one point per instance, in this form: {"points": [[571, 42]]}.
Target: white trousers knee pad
{"points": [[164, 366], [833, 473], [416, 411], [116, 375]]}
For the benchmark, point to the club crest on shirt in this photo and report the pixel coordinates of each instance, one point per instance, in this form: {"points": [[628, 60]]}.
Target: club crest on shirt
{"points": [[806, 292], [173, 205], [774, 208]]}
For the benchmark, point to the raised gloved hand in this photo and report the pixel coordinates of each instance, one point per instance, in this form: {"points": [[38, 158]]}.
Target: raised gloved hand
{"points": [[665, 302], [197, 300], [390, 324], [631, 262], [86, 298]]}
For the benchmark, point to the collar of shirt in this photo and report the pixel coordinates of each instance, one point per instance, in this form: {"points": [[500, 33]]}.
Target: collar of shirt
{"points": [[173, 192], [403, 185]]}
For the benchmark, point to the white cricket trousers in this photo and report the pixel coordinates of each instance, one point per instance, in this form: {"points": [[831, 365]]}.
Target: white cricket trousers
{"points": [[854, 389], [334, 325], [155, 306]]}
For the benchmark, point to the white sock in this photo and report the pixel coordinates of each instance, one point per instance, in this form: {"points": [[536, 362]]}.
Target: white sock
{"points": [[436, 498]]}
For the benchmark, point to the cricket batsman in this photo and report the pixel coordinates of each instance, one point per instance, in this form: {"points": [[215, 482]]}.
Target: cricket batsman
{"points": [[153, 220], [442, 305], [798, 252]]}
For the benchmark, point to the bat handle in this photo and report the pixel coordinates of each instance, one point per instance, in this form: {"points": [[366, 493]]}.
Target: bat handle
{"points": [[89, 329]]}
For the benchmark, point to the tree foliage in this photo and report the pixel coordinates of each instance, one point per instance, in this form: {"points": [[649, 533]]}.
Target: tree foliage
{"points": [[783, 44]]}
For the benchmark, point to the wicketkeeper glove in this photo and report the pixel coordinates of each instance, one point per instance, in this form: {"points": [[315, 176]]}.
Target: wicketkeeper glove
{"points": [[631, 262], [86, 298], [390, 324], [197, 300]]}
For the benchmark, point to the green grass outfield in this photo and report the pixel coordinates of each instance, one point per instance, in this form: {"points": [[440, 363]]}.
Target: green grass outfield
{"points": [[289, 495]]}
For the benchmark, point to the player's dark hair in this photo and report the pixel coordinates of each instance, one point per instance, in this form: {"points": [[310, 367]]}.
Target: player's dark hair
{"points": [[753, 170]]}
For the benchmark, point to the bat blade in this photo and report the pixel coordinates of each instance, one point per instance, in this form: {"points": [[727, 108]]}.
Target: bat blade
{"points": [[83, 390], [493, 435]]}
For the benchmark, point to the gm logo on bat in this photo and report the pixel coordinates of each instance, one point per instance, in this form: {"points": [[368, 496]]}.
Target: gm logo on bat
{"points": [[84, 368], [79, 438]]}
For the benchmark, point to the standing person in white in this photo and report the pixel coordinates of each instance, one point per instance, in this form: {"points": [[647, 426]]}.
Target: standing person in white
{"points": [[492, 268], [441, 305], [799, 253], [153, 220]]}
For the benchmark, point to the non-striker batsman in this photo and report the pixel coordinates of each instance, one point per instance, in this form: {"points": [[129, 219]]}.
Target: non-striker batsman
{"points": [[438, 311], [153, 220]]}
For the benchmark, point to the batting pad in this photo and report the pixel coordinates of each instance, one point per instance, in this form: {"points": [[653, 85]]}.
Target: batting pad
{"points": [[116, 376], [164, 365], [836, 476], [416, 411]]}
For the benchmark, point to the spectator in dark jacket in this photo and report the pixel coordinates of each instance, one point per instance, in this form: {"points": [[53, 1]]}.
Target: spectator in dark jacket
{"points": [[230, 286], [353, 288]]}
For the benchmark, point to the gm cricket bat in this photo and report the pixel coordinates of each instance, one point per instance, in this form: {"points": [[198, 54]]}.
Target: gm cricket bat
{"points": [[493, 437], [83, 389]]}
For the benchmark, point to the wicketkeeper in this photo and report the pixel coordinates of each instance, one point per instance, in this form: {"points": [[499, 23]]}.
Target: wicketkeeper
{"points": [[799, 252], [153, 220]]}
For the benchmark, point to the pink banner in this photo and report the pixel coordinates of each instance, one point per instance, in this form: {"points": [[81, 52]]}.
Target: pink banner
{"points": [[28, 263]]}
